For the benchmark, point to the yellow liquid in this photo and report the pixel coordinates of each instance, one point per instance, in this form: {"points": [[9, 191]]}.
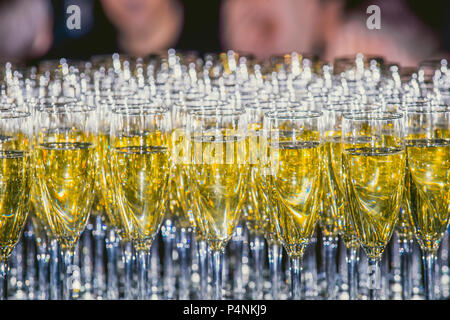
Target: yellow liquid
{"points": [[15, 186], [256, 203], [374, 187], [218, 175], [65, 187], [294, 191], [179, 202], [404, 228], [429, 192], [104, 184], [140, 176], [338, 216]]}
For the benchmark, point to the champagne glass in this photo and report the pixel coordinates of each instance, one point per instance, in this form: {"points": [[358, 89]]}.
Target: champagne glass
{"points": [[65, 170], [428, 188], [256, 203], [140, 171], [105, 109], [295, 150], [373, 163], [180, 196], [336, 216], [15, 182], [217, 173]]}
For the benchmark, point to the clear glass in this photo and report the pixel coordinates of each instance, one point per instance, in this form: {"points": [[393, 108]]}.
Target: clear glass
{"points": [[140, 161], [16, 147], [373, 142], [217, 159], [428, 155], [294, 142]]}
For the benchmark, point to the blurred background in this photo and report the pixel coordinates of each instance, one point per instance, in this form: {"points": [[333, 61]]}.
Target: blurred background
{"points": [[411, 30]]}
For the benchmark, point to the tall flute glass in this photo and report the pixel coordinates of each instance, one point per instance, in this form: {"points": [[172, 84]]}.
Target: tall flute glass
{"points": [[65, 173], [104, 182], [180, 195], [15, 183], [373, 163], [336, 215], [140, 171], [428, 190], [295, 149], [256, 204], [217, 172]]}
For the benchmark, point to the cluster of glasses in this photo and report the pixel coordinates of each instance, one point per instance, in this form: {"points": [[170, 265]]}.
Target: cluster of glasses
{"points": [[184, 177]]}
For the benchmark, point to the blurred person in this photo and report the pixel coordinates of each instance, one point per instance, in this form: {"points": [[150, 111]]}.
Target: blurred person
{"points": [[142, 27], [402, 38], [270, 27], [145, 26], [326, 28], [25, 29]]}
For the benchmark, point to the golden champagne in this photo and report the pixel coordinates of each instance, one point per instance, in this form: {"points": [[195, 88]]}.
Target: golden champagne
{"points": [[140, 175], [404, 228], [295, 182], [374, 188], [265, 203], [256, 201], [179, 195], [15, 186], [104, 184], [338, 214], [218, 175], [429, 189], [65, 183]]}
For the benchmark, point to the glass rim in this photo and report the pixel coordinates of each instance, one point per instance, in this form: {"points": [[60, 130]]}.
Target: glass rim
{"points": [[137, 103], [127, 111], [13, 114], [372, 116], [255, 105], [198, 103], [292, 114], [55, 99], [426, 109], [346, 106], [65, 108], [214, 112]]}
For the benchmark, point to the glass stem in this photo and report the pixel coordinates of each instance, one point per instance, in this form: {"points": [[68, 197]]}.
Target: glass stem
{"points": [[257, 251], [99, 236], [183, 246], [154, 272], [405, 250], [111, 267], [142, 264], [55, 288], [202, 252], [42, 270], [352, 260], [330, 248], [127, 258], [275, 255], [68, 259], [168, 234], [429, 262], [3, 279], [238, 245], [30, 269], [374, 278], [296, 280], [217, 265]]}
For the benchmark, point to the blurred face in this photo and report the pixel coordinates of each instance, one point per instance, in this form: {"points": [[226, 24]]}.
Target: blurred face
{"points": [[132, 17], [266, 27]]}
